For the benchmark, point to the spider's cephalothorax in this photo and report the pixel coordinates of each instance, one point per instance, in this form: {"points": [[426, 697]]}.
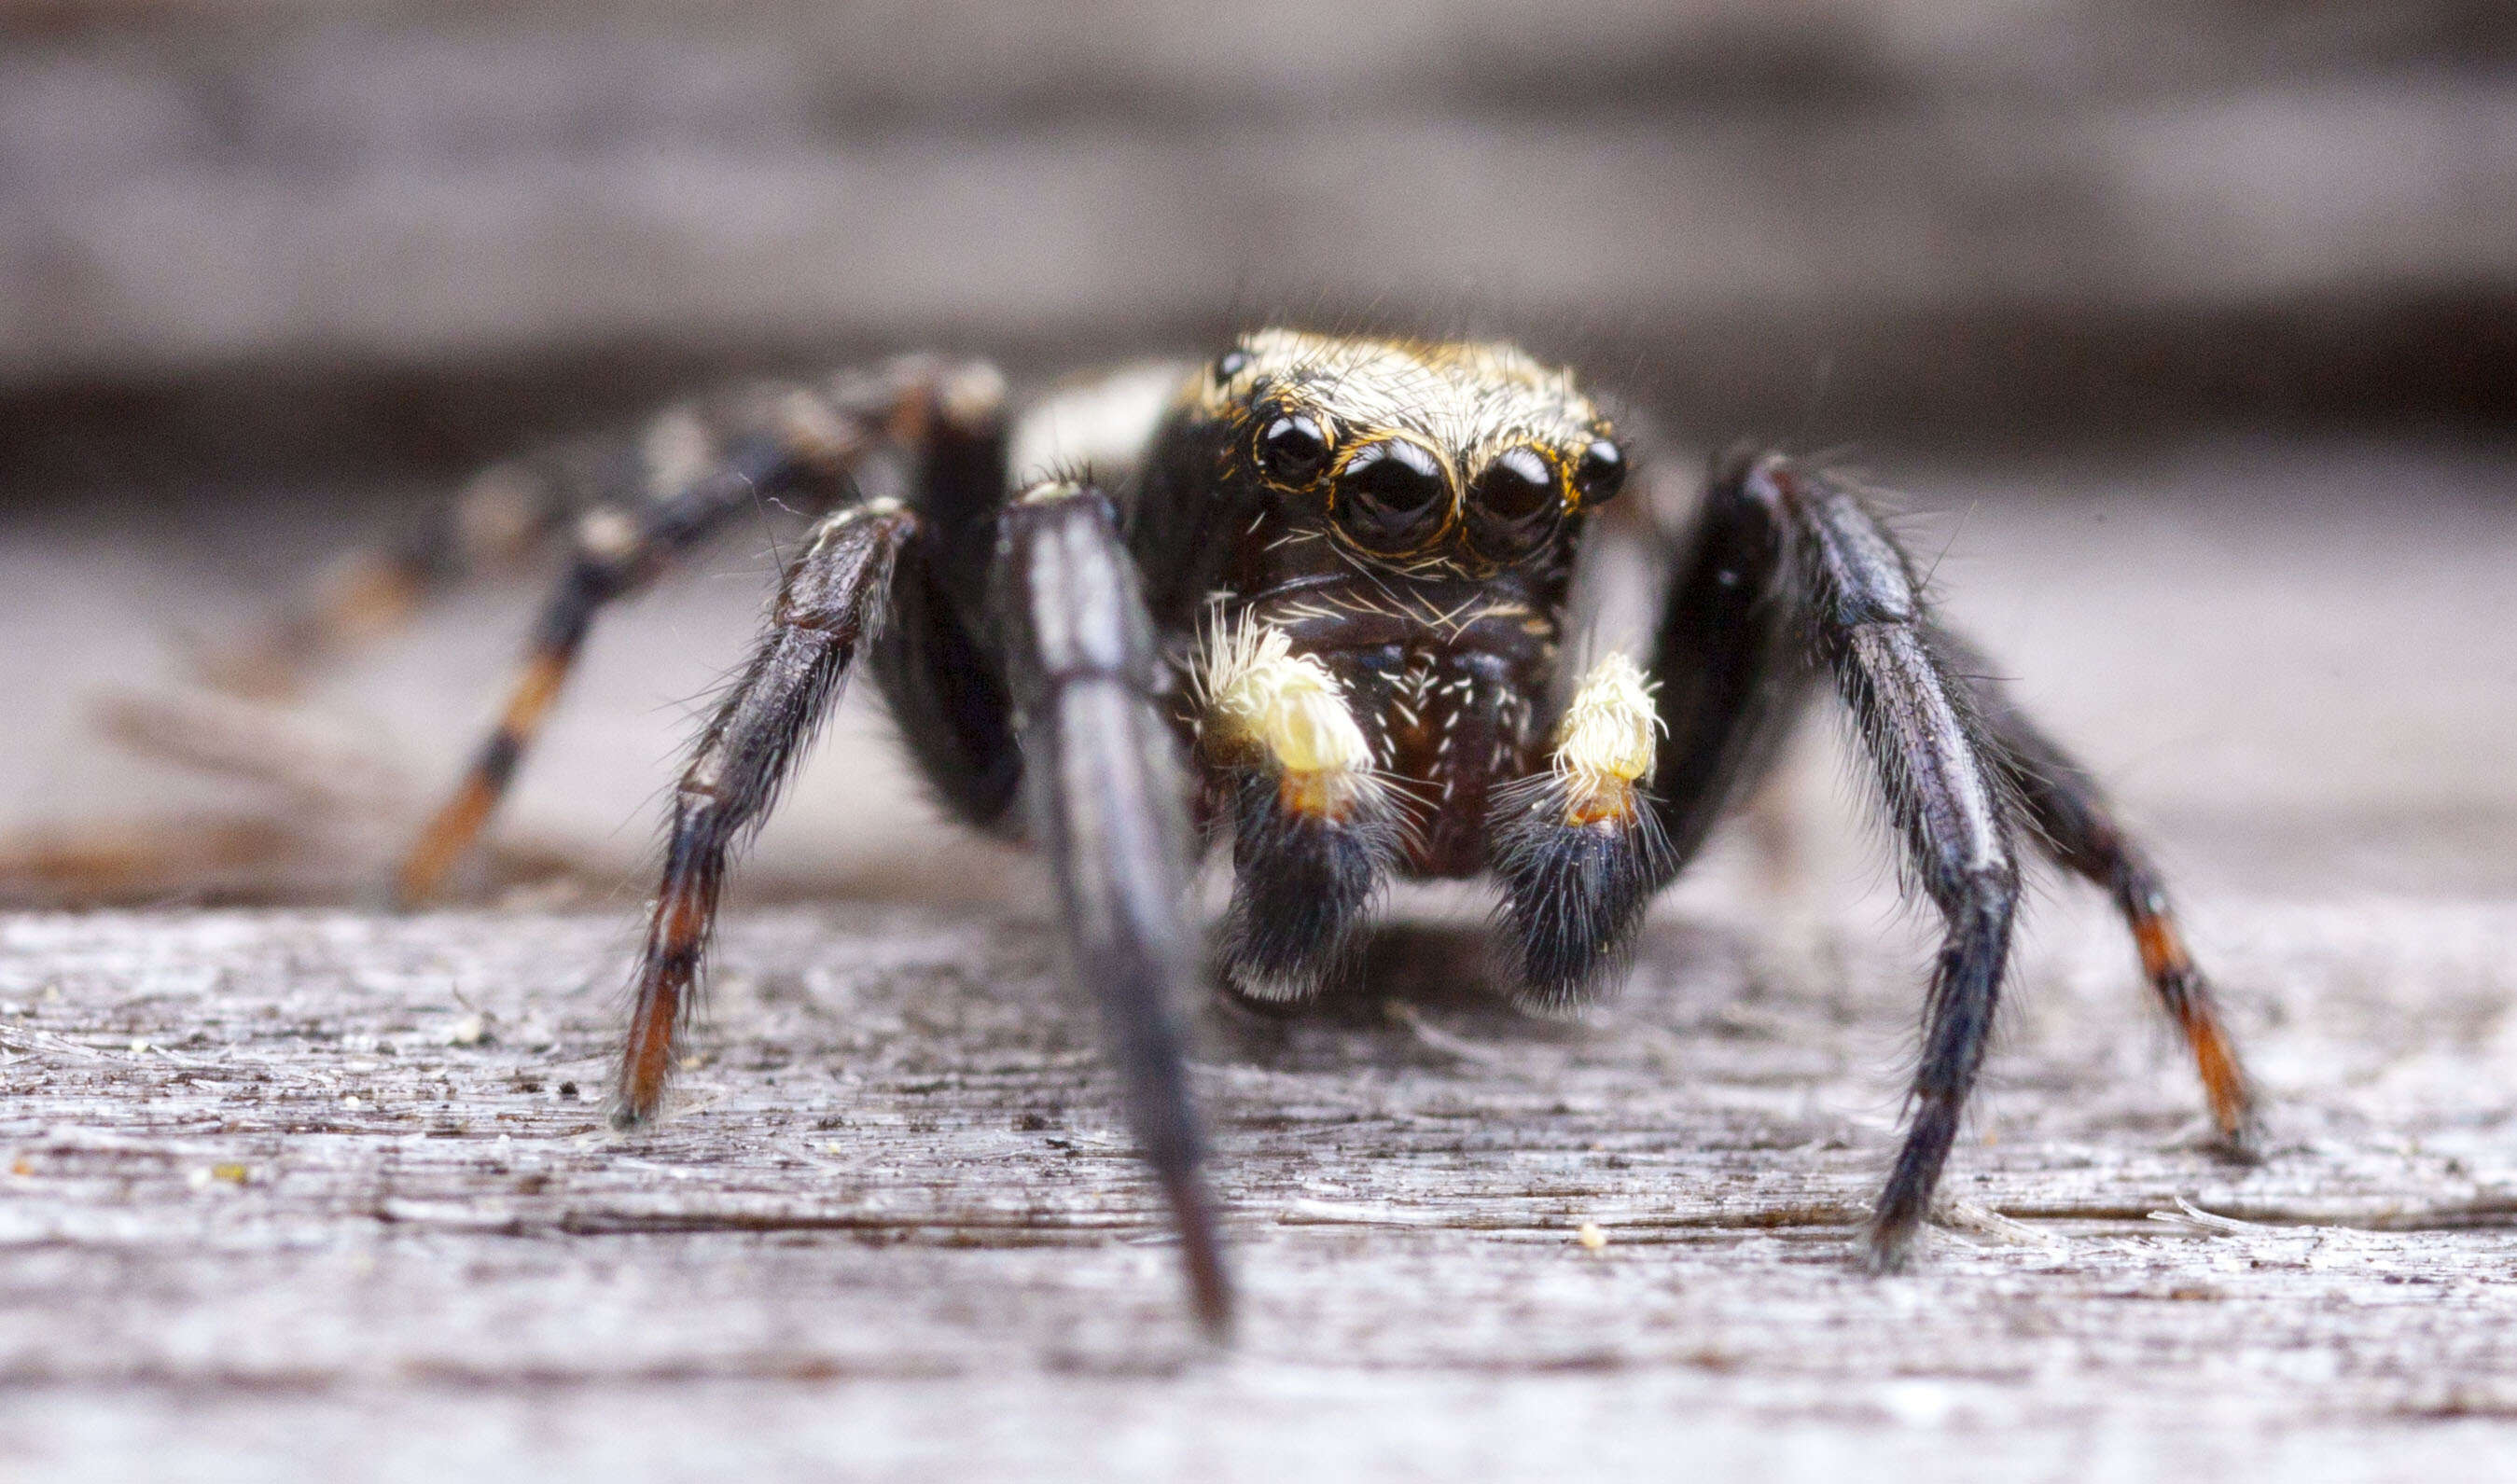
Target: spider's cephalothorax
{"points": [[1368, 547], [1312, 594]]}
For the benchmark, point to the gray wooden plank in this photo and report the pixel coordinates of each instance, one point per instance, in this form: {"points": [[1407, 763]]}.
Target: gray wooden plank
{"points": [[341, 1176]]}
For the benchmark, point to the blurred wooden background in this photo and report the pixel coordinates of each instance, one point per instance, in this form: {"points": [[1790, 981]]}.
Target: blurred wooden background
{"points": [[328, 231]]}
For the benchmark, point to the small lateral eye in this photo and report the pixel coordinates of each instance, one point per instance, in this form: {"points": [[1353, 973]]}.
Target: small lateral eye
{"points": [[1600, 472], [1390, 494], [1232, 363], [1516, 486], [1293, 449]]}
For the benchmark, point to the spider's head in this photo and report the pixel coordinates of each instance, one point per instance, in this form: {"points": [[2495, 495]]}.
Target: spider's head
{"points": [[1397, 521], [1418, 460]]}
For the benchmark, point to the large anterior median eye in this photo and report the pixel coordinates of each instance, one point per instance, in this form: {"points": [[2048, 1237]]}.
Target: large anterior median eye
{"points": [[1515, 503], [1391, 496]]}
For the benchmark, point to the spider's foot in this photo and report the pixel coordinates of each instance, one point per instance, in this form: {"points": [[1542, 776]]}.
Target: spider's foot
{"points": [[2238, 1143], [1886, 1247]]}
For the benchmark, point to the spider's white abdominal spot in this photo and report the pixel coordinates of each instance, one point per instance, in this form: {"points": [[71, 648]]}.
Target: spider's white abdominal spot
{"points": [[1604, 745], [972, 393], [1261, 696]]}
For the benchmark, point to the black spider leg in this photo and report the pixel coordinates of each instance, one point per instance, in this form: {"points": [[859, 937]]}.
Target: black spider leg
{"points": [[1786, 564], [625, 552], [2077, 828], [1730, 660], [1934, 760], [1107, 804], [786, 439], [940, 682], [830, 603]]}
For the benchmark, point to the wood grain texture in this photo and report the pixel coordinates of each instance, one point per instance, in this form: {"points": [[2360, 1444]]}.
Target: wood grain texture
{"points": [[329, 1189]]}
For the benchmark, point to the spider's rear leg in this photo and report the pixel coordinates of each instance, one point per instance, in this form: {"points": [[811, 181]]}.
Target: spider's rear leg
{"points": [[2074, 825], [1315, 830], [1107, 805], [778, 441], [830, 603]]}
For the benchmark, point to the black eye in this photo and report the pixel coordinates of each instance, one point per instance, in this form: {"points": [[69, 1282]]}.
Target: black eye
{"points": [[1601, 473], [1390, 496], [1292, 450], [1516, 486], [1233, 363], [1515, 506]]}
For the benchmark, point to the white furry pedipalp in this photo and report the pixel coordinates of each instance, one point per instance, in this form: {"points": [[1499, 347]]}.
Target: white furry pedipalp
{"points": [[1605, 742], [1256, 695]]}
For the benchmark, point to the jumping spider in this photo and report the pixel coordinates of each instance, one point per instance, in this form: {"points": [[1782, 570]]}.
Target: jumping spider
{"points": [[1317, 590]]}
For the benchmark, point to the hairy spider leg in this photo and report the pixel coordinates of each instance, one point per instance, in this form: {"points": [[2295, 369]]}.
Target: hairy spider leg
{"points": [[777, 441], [1851, 591], [830, 603], [1106, 801], [2075, 827], [1785, 565], [1732, 657], [617, 552], [940, 682]]}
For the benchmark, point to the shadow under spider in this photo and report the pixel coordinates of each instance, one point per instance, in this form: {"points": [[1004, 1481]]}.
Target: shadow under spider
{"points": [[1423, 987], [1409, 973]]}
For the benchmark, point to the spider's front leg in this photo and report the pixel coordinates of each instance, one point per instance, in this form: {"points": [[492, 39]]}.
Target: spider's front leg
{"points": [[830, 606], [1934, 761], [1960, 765], [1107, 805], [1785, 565]]}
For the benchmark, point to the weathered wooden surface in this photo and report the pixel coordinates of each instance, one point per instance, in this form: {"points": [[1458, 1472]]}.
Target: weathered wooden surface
{"points": [[334, 1189]]}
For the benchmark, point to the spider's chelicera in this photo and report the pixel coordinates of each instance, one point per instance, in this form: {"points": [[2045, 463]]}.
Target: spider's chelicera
{"points": [[1313, 593]]}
